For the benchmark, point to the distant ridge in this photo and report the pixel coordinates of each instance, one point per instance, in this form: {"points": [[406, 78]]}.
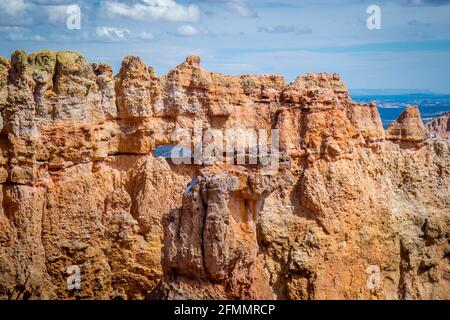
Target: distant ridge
{"points": [[389, 92], [439, 127]]}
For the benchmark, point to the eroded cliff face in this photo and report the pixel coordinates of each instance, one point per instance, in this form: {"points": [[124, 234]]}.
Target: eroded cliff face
{"points": [[439, 127], [352, 211]]}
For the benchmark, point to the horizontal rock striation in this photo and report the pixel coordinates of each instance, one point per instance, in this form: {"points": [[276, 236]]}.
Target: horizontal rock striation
{"points": [[408, 127], [353, 212]]}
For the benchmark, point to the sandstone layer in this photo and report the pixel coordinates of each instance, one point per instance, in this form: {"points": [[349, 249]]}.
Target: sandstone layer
{"points": [[439, 127], [353, 212]]}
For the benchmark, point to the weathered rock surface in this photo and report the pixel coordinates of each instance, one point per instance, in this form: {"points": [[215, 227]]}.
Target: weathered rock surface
{"points": [[439, 127], [81, 186], [408, 127]]}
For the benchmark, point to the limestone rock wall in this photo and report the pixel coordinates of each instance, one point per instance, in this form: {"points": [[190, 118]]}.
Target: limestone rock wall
{"points": [[81, 186]]}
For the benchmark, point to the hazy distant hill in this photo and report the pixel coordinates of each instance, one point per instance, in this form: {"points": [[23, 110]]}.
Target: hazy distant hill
{"points": [[392, 102], [389, 92]]}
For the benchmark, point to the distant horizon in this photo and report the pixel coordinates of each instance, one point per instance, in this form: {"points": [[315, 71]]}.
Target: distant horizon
{"points": [[410, 48], [393, 91], [390, 105]]}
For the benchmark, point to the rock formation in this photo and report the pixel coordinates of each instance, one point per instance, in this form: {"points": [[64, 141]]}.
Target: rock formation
{"points": [[352, 211], [408, 127], [439, 127]]}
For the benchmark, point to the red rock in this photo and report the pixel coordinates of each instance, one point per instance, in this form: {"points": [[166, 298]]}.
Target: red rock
{"points": [[408, 127], [439, 127], [80, 186]]}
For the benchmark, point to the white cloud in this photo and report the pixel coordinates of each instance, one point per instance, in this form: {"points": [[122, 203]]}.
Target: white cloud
{"points": [[33, 12], [4, 29], [55, 2], [425, 2], [283, 29], [155, 10], [112, 34], [14, 13], [20, 34], [187, 30], [13, 7], [37, 37], [56, 14], [242, 8], [145, 35], [119, 34]]}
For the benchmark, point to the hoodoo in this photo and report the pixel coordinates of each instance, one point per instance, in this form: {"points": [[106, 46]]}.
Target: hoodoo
{"points": [[81, 186]]}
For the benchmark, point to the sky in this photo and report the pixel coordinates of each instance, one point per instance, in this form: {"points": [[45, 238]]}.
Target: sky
{"points": [[411, 50]]}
